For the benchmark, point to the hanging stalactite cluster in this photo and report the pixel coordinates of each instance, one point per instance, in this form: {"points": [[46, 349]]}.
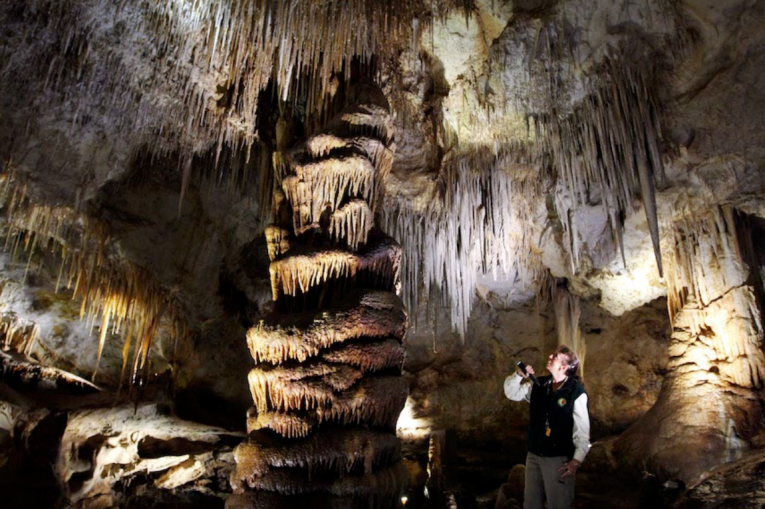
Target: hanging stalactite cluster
{"points": [[17, 333], [210, 61], [116, 297], [593, 125], [478, 223], [603, 151], [607, 150], [329, 359]]}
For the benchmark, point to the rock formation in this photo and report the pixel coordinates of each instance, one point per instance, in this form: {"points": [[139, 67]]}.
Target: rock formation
{"points": [[328, 379], [711, 405]]}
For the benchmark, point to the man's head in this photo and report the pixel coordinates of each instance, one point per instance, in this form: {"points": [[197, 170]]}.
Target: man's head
{"points": [[563, 362]]}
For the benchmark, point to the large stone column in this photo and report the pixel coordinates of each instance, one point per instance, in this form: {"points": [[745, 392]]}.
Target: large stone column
{"points": [[711, 405], [327, 386]]}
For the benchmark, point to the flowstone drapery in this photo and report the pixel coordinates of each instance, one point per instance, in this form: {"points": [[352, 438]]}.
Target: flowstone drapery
{"points": [[327, 387], [711, 408]]}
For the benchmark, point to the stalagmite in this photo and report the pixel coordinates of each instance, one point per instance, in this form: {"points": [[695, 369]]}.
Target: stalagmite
{"points": [[105, 451], [329, 359], [711, 404]]}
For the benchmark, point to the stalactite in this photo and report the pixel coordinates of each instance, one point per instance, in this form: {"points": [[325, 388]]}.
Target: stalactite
{"points": [[305, 268], [603, 149], [278, 240], [213, 58], [116, 296], [285, 424], [373, 356], [352, 222], [609, 146], [299, 387], [373, 401], [567, 314], [470, 227], [375, 314], [337, 451], [17, 333], [375, 488]]}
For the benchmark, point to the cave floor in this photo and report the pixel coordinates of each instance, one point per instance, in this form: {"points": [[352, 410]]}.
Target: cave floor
{"points": [[466, 473]]}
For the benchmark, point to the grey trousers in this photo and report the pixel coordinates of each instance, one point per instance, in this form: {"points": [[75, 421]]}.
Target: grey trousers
{"points": [[543, 483]]}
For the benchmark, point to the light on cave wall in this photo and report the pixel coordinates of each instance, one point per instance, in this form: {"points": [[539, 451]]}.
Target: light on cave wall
{"points": [[116, 296], [409, 426]]}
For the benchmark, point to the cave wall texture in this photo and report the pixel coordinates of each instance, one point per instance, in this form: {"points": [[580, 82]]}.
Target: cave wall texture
{"points": [[587, 172]]}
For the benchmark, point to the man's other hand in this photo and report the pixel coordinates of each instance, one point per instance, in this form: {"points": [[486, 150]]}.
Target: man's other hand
{"points": [[569, 468]]}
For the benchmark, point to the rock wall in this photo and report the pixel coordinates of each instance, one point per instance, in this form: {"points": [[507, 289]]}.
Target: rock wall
{"points": [[457, 385]]}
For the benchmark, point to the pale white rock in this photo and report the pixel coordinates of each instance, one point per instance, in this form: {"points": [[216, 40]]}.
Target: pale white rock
{"points": [[626, 288], [102, 446]]}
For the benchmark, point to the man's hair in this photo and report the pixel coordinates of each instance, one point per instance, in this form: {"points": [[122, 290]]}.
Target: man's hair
{"points": [[572, 359]]}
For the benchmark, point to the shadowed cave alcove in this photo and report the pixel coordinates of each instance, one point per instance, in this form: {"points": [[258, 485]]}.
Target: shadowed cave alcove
{"points": [[269, 254]]}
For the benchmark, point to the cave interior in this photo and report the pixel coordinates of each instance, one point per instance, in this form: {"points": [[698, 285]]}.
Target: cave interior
{"points": [[283, 253]]}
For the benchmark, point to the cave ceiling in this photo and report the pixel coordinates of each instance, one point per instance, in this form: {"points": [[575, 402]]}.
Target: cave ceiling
{"points": [[534, 140]]}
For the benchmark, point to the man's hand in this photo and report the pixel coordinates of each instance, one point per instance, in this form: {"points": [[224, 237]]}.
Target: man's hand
{"points": [[529, 371], [569, 468]]}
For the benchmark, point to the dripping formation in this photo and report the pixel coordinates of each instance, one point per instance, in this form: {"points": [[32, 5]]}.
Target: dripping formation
{"points": [[469, 227], [327, 386], [604, 152], [607, 151], [213, 59], [116, 297]]}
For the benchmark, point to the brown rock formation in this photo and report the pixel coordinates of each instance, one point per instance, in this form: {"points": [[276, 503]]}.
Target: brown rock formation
{"points": [[329, 358]]}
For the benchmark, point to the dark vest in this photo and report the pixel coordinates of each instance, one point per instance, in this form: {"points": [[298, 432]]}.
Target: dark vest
{"points": [[557, 408]]}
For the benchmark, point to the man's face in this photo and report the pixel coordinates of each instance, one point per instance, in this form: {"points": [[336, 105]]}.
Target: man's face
{"points": [[557, 363]]}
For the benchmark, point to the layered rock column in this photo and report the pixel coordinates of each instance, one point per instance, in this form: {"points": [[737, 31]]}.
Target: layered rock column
{"points": [[327, 386], [711, 407]]}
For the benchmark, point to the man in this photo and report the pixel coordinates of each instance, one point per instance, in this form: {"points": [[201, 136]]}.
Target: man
{"points": [[559, 430]]}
